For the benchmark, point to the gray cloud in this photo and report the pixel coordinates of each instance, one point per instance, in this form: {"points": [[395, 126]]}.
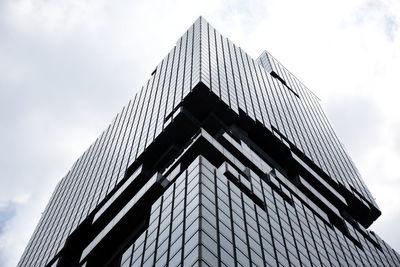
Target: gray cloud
{"points": [[381, 12], [358, 120], [6, 213], [67, 67]]}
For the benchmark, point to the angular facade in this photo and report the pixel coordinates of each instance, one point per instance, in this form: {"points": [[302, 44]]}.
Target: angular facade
{"points": [[219, 160]]}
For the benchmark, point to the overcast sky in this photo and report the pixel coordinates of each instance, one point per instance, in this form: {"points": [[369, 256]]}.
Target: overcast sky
{"points": [[68, 66]]}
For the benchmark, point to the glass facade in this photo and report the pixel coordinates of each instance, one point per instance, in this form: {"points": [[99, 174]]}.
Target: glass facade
{"points": [[205, 217], [219, 159]]}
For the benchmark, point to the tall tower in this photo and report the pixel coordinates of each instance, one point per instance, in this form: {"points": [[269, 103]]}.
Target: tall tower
{"points": [[219, 160]]}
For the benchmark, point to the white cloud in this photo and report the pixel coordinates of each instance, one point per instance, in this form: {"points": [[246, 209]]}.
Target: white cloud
{"points": [[69, 66]]}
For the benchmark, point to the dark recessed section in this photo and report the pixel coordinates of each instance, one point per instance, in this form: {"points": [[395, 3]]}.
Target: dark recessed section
{"points": [[190, 134]]}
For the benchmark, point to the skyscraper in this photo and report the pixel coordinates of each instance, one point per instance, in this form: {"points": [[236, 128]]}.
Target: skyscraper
{"points": [[219, 160]]}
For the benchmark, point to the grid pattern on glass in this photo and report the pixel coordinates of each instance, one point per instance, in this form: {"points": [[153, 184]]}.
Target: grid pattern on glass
{"points": [[325, 136], [299, 118], [205, 217], [100, 169], [201, 55]]}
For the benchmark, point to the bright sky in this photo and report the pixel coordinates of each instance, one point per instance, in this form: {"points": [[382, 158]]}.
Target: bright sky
{"points": [[68, 66]]}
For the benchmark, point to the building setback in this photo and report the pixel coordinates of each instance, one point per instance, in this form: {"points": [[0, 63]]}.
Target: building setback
{"points": [[219, 160]]}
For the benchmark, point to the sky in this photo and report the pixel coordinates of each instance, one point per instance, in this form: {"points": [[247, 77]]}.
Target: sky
{"points": [[68, 66]]}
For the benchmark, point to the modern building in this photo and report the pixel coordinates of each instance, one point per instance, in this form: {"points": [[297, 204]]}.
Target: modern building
{"points": [[219, 160]]}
